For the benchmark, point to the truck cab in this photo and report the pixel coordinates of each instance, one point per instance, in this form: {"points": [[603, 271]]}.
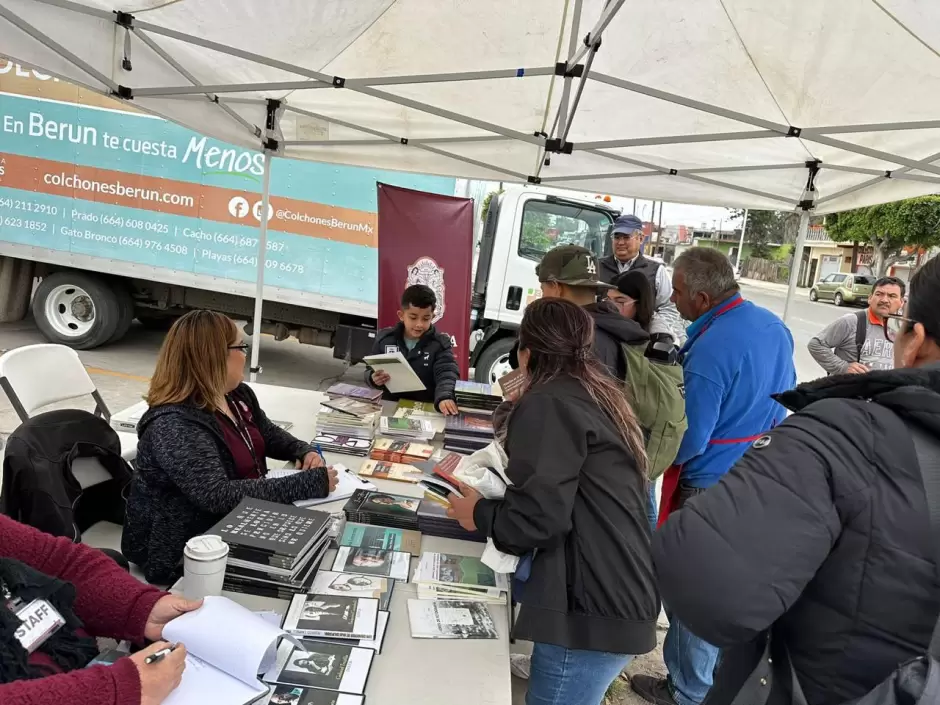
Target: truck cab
{"points": [[521, 225]]}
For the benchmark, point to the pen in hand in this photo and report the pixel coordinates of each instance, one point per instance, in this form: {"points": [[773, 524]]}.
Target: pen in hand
{"points": [[154, 658]]}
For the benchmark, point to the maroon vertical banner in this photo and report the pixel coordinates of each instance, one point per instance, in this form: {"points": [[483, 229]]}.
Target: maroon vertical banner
{"points": [[427, 238]]}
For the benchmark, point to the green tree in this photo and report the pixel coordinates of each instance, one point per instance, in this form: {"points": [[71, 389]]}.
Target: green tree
{"points": [[889, 228], [765, 229], [487, 200]]}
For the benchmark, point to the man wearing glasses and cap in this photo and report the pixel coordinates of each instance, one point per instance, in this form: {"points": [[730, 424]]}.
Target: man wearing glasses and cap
{"points": [[626, 235]]}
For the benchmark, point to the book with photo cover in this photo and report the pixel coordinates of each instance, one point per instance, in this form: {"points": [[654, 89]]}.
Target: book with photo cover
{"points": [[328, 582], [382, 537], [382, 508], [395, 451], [337, 616], [295, 695], [450, 619], [383, 470], [411, 409], [352, 407], [458, 571], [337, 667], [374, 644], [372, 561], [351, 390], [463, 425]]}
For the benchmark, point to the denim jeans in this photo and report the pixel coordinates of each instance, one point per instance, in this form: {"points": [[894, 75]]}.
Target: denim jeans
{"points": [[652, 507], [561, 676], [690, 660]]}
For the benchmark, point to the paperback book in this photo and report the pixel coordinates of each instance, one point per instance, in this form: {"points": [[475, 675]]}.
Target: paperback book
{"points": [[382, 509], [374, 644], [353, 407], [406, 429], [295, 695], [365, 536], [458, 571], [335, 667], [355, 392], [328, 582], [395, 451], [383, 470], [371, 561], [338, 616], [450, 619]]}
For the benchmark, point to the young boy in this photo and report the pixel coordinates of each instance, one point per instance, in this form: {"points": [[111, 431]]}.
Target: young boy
{"points": [[428, 352]]}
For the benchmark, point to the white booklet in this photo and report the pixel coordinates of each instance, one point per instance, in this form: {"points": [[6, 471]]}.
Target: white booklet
{"points": [[216, 672], [450, 619], [372, 561], [403, 378], [347, 482]]}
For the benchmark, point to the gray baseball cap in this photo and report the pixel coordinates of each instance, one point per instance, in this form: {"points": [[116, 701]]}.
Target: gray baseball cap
{"points": [[626, 225]]}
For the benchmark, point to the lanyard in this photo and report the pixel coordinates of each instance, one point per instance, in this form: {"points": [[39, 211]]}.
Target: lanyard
{"points": [[242, 427], [734, 303]]}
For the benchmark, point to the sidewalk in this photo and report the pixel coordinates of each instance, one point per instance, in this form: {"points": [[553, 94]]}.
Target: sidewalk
{"points": [[758, 284]]}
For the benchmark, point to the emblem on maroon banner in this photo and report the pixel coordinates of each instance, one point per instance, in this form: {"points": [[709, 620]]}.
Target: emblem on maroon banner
{"points": [[425, 270]]}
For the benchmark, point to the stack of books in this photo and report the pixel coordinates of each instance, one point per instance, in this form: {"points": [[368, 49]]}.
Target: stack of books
{"points": [[466, 433], [477, 398], [383, 470], [382, 509], [393, 451], [406, 429], [433, 521], [341, 432], [274, 549], [444, 576], [408, 409], [367, 394]]}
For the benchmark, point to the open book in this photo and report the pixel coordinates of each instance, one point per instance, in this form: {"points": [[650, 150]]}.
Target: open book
{"points": [[228, 646]]}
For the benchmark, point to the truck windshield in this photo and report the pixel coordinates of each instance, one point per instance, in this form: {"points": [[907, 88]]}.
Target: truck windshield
{"points": [[548, 224]]}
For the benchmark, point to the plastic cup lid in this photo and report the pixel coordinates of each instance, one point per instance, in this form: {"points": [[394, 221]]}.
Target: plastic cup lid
{"points": [[206, 548]]}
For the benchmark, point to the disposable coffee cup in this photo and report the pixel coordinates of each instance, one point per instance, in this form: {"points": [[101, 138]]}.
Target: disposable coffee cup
{"points": [[204, 560]]}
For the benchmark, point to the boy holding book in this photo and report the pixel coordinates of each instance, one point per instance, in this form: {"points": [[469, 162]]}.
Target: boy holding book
{"points": [[429, 352]]}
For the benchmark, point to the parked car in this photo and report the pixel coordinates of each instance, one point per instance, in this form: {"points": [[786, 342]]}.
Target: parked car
{"points": [[852, 289]]}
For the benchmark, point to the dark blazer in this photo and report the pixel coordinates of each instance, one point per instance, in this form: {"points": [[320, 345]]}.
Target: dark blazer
{"points": [[185, 481]]}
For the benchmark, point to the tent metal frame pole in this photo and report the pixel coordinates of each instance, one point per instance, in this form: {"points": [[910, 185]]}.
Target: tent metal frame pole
{"points": [[694, 177], [872, 127], [680, 139], [403, 142], [741, 243], [52, 44], [349, 83], [743, 167], [607, 15], [163, 54], [691, 103], [873, 153], [388, 141], [872, 182], [562, 114], [585, 177], [883, 174], [797, 262], [254, 368]]}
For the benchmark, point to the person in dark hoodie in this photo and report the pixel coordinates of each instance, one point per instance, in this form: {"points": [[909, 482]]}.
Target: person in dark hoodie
{"points": [[203, 445], [577, 502], [569, 272], [821, 531]]}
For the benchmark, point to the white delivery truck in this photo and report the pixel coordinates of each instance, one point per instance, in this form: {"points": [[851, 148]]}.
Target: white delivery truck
{"points": [[121, 215]]}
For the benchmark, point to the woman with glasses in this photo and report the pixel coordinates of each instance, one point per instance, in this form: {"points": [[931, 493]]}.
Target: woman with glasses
{"points": [[820, 535], [203, 445]]}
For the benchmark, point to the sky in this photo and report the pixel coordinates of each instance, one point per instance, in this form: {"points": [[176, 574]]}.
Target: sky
{"points": [[681, 214]]}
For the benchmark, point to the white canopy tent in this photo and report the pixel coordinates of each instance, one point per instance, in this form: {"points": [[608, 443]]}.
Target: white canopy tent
{"points": [[772, 104]]}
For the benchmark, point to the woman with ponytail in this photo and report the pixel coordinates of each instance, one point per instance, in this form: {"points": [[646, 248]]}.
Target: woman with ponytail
{"points": [[578, 507]]}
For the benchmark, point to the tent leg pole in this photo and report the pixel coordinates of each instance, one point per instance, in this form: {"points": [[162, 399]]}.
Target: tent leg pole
{"points": [[797, 261], [255, 369], [741, 244]]}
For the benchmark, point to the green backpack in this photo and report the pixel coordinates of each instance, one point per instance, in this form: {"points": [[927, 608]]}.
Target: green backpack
{"points": [[657, 394]]}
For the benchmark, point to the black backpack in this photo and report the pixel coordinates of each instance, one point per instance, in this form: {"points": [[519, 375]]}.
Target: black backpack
{"points": [[916, 682]]}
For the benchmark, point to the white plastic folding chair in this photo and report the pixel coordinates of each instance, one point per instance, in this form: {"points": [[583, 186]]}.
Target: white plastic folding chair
{"points": [[35, 376]]}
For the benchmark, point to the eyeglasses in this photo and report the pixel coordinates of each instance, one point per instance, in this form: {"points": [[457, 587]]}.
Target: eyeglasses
{"points": [[894, 325], [244, 347]]}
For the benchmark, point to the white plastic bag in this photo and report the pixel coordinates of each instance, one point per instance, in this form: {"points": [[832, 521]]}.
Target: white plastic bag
{"points": [[485, 471]]}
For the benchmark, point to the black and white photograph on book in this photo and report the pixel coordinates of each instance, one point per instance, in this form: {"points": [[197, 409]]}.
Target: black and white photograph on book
{"points": [[336, 667]]}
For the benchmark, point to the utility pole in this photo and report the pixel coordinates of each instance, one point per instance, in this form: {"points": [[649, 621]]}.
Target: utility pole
{"points": [[741, 244], [659, 225]]}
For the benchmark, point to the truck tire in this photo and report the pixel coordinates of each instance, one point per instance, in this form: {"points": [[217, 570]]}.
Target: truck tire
{"points": [[16, 284], [493, 362], [76, 309], [126, 311]]}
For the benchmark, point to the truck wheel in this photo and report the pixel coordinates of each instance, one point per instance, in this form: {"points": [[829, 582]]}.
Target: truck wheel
{"points": [[494, 361], [16, 284], [126, 311], [76, 309]]}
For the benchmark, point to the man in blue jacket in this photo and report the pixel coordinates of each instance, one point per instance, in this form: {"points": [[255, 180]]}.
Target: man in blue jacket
{"points": [[737, 355]]}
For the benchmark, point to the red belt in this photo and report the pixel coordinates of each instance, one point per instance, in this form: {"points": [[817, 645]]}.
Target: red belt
{"points": [[670, 494]]}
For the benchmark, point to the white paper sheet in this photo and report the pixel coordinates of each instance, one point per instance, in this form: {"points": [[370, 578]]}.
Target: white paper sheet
{"points": [[347, 483]]}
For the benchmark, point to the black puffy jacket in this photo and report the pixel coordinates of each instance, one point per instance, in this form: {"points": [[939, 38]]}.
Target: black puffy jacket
{"points": [[820, 530], [432, 359]]}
